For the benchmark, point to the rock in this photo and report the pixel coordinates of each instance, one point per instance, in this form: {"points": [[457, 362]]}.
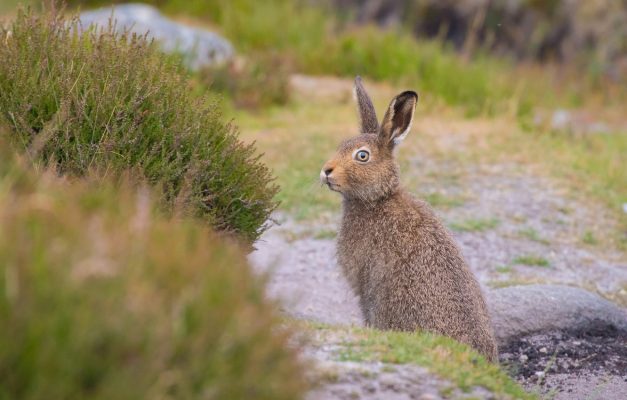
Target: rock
{"points": [[521, 310], [200, 47]]}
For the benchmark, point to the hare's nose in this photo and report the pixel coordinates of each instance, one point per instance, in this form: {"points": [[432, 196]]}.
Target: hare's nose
{"points": [[324, 173]]}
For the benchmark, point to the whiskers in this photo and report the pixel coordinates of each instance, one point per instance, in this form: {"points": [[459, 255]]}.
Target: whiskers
{"points": [[314, 186]]}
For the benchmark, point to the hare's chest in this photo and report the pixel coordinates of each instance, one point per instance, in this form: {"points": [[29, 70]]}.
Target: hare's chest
{"points": [[359, 246]]}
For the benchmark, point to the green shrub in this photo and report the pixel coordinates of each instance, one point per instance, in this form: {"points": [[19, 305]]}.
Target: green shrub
{"points": [[114, 103], [102, 298]]}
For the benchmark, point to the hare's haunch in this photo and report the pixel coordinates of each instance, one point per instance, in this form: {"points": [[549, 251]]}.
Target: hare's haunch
{"points": [[397, 256]]}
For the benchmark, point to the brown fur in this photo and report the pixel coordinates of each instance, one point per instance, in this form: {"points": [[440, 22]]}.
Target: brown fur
{"points": [[397, 256]]}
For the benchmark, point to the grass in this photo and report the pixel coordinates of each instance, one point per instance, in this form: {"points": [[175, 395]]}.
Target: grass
{"points": [[503, 269], [451, 360], [589, 238], [316, 41], [114, 104], [439, 200], [591, 166], [499, 284], [296, 150], [532, 234], [475, 225], [532, 260], [102, 297], [597, 159], [319, 43], [325, 234]]}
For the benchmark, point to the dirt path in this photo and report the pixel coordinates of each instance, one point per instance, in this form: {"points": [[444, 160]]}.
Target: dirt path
{"points": [[513, 227]]}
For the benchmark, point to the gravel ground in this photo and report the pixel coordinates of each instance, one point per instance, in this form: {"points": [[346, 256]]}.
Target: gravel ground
{"points": [[533, 219], [556, 363], [529, 218]]}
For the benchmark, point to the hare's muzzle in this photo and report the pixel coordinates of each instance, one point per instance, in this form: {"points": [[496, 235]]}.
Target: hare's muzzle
{"points": [[325, 173]]}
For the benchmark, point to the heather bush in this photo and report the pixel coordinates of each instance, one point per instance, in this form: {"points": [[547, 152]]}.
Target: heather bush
{"points": [[101, 297], [113, 103]]}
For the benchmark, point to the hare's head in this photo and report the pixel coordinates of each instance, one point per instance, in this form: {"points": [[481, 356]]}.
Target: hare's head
{"points": [[363, 166]]}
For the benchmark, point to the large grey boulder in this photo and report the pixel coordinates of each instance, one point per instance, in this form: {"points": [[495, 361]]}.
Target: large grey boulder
{"points": [[200, 47], [521, 310]]}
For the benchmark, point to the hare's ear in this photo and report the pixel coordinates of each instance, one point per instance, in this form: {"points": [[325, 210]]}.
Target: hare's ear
{"points": [[368, 122], [397, 121]]}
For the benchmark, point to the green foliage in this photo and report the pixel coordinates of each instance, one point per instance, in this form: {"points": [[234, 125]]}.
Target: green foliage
{"points": [[597, 159], [325, 234], [475, 225], [427, 66], [532, 234], [114, 103], [504, 269], [589, 238], [319, 46], [440, 200], [532, 260], [103, 298]]}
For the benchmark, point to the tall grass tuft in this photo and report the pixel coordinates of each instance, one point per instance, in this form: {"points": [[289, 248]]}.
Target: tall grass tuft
{"points": [[101, 297], [113, 103]]}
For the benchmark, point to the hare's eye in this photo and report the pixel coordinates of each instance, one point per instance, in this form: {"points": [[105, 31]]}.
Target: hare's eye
{"points": [[362, 155]]}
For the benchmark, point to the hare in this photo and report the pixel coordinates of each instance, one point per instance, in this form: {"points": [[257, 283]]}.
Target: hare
{"points": [[395, 253]]}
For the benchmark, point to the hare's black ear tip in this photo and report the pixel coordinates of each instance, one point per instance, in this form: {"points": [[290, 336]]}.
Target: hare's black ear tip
{"points": [[357, 79], [409, 93]]}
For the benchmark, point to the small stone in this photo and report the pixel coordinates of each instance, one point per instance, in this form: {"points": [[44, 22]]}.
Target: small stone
{"points": [[523, 358], [427, 396], [576, 343], [540, 374], [543, 350]]}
